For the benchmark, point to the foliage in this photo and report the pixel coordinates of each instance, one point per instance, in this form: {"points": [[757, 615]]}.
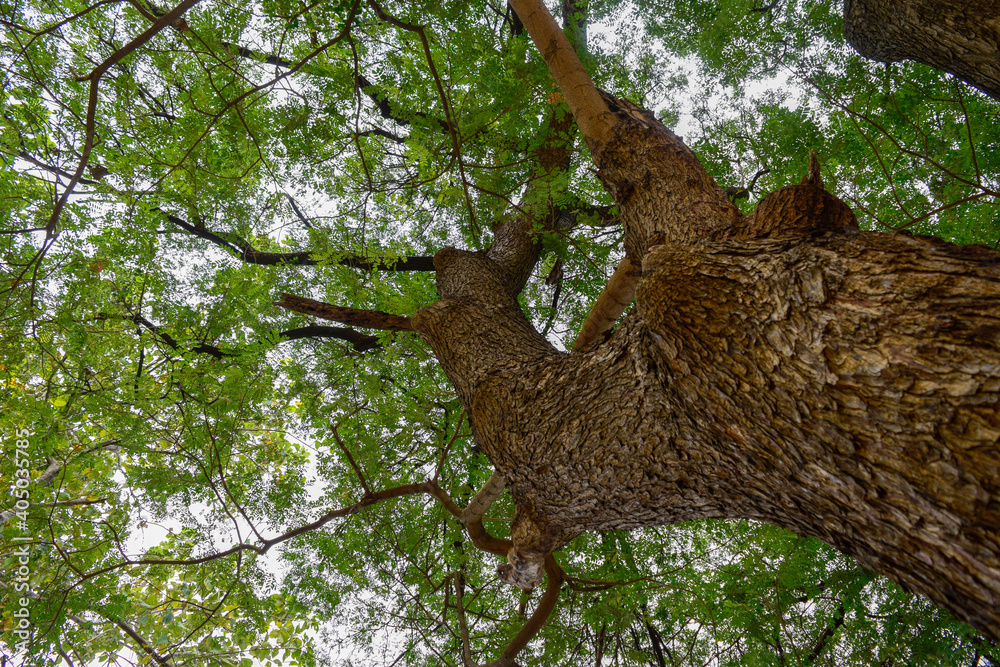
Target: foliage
{"points": [[176, 418], [905, 146]]}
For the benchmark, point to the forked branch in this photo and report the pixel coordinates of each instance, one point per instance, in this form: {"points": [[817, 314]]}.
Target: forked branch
{"points": [[530, 629]]}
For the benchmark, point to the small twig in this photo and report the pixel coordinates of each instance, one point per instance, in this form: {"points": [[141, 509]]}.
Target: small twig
{"points": [[347, 453], [449, 116], [247, 253], [94, 78], [298, 213], [444, 454]]}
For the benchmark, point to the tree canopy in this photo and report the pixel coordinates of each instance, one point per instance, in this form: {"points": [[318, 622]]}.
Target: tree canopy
{"points": [[217, 220]]}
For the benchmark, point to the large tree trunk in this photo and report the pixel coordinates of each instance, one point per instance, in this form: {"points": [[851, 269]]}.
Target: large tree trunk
{"points": [[784, 367], [961, 36]]}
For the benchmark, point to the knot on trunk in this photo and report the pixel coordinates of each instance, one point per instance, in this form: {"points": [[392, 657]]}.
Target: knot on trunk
{"points": [[798, 210], [520, 573], [532, 543]]}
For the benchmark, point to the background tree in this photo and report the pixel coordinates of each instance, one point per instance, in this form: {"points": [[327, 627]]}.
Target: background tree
{"points": [[942, 35], [171, 172]]}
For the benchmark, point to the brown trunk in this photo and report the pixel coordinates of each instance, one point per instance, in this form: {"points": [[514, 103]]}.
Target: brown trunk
{"points": [[961, 37], [783, 367]]}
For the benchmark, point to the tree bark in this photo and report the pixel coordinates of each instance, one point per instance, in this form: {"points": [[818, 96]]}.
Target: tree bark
{"points": [[961, 36], [782, 367]]}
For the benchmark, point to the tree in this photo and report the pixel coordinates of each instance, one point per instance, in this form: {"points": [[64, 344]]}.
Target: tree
{"points": [[950, 36], [781, 366]]}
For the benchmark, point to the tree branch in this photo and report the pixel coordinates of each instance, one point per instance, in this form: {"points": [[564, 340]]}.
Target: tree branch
{"points": [[90, 124], [298, 213], [530, 629], [484, 499], [477, 532], [614, 299], [247, 253], [368, 319], [27, 157], [537, 620], [382, 133], [377, 95], [654, 638], [463, 626], [173, 344], [146, 647], [7, 515], [591, 112], [52, 470], [452, 128], [361, 342], [266, 545], [824, 637]]}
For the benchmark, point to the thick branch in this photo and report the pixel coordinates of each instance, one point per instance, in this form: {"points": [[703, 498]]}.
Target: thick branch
{"points": [[527, 632], [614, 299], [655, 640], [589, 109], [477, 532], [50, 472], [484, 499], [368, 319], [515, 251], [361, 342], [662, 191], [554, 574], [840, 384]]}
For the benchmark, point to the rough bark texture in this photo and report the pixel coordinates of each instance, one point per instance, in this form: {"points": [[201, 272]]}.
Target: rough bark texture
{"points": [[961, 36], [781, 367], [662, 191]]}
